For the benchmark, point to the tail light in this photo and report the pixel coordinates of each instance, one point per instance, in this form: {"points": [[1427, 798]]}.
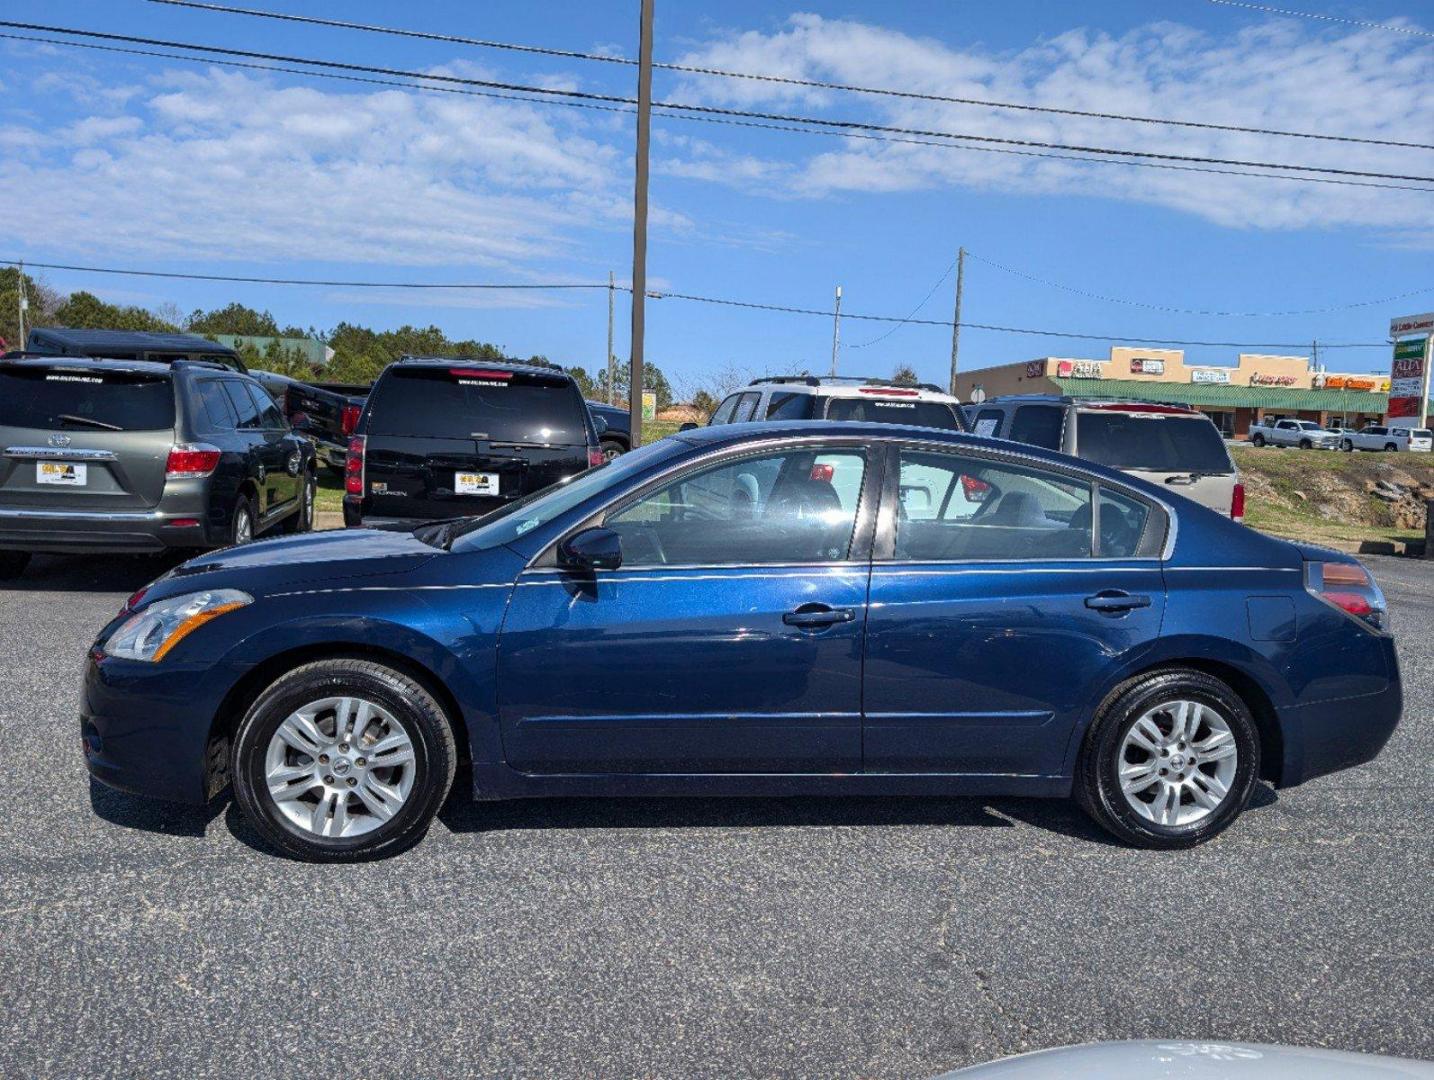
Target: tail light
{"points": [[353, 466], [190, 461], [1237, 503], [596, 457], [823, 473], [349, 418], [1348, 587], [974, 489]]}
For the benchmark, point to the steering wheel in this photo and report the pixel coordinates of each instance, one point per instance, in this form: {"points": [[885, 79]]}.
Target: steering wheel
{"points": [[642, 543]]}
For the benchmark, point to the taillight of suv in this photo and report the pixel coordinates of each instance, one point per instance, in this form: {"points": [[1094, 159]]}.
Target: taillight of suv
{"points": [[191, 461], [349, 418], [1237, 503], [596, 457], [353, 466]]}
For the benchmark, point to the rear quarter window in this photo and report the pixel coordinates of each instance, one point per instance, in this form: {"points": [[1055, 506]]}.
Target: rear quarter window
{"points": [[78, 400], [1038, 425], [476, 403], [1153, 443]]}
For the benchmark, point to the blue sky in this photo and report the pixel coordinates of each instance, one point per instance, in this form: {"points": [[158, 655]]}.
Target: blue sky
{"points": [[159, 164]]}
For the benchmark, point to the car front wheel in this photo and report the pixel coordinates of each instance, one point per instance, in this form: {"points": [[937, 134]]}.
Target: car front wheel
{"points": [[343, 760], [1258, 440], [1170, 761]]}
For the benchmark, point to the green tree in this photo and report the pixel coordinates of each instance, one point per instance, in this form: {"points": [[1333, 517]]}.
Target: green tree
{"points": [[905, 375], [652, 379], [43, 302], [585, 382], [235, 319], [86, 311], [705, 403]]}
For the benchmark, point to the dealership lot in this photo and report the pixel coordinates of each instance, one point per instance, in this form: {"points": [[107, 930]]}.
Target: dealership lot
{"points": [[828, 938]]}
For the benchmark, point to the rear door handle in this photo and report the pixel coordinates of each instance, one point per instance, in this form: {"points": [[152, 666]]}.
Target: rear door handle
{"points": [[1113, 601], [813, 616]]}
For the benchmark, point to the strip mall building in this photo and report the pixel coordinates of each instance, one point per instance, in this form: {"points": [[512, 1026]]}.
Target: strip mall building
{"points": [[1233, 396]]}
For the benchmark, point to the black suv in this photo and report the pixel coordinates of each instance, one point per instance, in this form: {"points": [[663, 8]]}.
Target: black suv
{"points": [[443, 438], [137, 456], [129, 345]]}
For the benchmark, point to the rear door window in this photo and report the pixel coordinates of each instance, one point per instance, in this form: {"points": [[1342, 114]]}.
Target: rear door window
{"points": [[1152, 442], [723, 415], [78, 400], [934, 414], [245, 407], [269, 414], [746, 406], [216, 407], [1038, 425], [472, 402]]}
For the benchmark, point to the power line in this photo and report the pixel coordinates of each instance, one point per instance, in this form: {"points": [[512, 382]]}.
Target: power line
{"points": [[692, 118], [1197, 311], [455, 39], [1327, 18], [924, 301], [663, 295], [838, 125]]}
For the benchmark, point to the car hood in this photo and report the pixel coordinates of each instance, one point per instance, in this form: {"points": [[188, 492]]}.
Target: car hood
{"points": [[1192, 1060], [265, 565]]}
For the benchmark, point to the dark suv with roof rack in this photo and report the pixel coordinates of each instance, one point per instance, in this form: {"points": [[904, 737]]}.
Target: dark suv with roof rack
{"points": [[1164, 443], [442, 437], [137, 456]]}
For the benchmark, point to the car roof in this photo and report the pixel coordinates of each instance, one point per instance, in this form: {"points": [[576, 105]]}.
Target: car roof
{"points": [[124, 339], [98, 364], [490, 365], [845, 386], [1172, 408]]}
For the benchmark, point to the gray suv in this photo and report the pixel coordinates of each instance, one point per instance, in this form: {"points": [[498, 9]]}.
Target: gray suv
{"points": [[137, 456]]}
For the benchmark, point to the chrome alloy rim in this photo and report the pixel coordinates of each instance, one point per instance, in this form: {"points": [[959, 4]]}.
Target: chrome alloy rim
{"points": [[1177, 763], [339, 766], [244, 530]]}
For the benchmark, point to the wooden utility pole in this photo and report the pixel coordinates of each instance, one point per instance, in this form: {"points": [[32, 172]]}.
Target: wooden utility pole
{"points": [[956, 322], [639, 221]]}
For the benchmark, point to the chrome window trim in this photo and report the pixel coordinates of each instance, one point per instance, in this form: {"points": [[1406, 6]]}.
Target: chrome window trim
{"points": [[58, 453], [82, 515]]}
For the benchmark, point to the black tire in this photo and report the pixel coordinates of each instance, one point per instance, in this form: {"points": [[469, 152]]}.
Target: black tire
{"points": [[611, 448], [1347, 446], [302, 520], [435, 757], [1258, 440], [1305, 444], [1393, 448], [243, 509], [1097, 785], [13, 563]]}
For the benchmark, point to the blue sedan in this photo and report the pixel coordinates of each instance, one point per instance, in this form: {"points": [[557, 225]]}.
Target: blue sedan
{"points": [[778, 609]]}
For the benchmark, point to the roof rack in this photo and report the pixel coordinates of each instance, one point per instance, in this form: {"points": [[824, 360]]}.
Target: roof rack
{"points": [[212, 365], [861, 380], [408, 358]]}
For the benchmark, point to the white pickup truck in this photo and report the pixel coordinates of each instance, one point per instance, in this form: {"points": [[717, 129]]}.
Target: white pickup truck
{"points": [[1305, 434], [1383, 437]]}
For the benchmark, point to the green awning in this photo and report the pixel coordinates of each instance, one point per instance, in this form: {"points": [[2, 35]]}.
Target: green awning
{"points": [[1218, 395]]}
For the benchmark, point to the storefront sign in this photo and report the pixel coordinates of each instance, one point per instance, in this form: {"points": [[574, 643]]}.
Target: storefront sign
{"points": [[1209, 375], [1079, 369], [1147, 367], [1035, 369], [1409, 378], [1348, 382], [1412, 324], [1260, 379]]}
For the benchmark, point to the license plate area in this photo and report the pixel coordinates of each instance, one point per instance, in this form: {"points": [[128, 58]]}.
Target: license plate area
{"points": [[475, 483], [61, 473]]}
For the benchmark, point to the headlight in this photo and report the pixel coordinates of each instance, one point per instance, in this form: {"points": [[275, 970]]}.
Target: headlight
{"points": [[151, 633]]}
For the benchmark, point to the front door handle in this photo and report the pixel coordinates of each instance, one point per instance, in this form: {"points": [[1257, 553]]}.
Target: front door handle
{"points": [[815, 616], [1114, 602]]}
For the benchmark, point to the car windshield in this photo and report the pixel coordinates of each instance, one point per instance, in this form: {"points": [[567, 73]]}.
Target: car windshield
{"points": [[469, 401], [75, 399], [1309, 425], [935, 414], [521, 516], [1152, 442]]}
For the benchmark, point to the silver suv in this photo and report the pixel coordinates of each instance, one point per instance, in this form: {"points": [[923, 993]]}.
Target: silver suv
{"points": [[1165, 444], [840, 397]]}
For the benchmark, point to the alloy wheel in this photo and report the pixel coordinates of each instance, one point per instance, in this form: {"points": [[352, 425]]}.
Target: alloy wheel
{"points": [[339, 767], [243, 527], [1177, 763]]}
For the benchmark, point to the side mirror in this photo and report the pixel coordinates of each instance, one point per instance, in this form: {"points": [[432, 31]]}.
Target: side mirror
{"points": [[600, 423], [591, 549], [688, 426]]}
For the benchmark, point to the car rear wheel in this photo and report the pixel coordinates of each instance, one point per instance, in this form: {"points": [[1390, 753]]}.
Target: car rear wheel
{"points": [[611, 449], [1346, 445], [343, 760], [1392, 447], [241, 524], [1170, 761], [1258, 440], [13, 563], [1305, 444], [302, 520]]}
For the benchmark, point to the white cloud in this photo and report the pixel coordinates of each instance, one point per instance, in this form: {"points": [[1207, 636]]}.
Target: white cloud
{"points": [[1277, 75]]}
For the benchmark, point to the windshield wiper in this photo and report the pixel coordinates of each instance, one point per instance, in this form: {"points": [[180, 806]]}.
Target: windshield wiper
{"points": [[73, 419]]}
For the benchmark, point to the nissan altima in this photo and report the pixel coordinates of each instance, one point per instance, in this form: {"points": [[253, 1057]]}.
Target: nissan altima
{"points": [[779, 609]]}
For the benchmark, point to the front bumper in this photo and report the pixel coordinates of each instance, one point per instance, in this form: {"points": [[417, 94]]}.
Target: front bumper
{"points": [[145, 728], [82, 531]]}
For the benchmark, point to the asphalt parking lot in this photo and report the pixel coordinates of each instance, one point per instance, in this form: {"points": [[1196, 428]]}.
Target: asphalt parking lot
{"points": [[692, 938]]}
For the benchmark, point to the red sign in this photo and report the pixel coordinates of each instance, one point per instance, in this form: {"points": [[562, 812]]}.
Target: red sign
{"points": [[1063, 369]]}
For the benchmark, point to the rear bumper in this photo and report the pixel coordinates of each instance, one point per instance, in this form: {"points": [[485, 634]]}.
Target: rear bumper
{"points": [[1327, 736], [81, 531]]}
